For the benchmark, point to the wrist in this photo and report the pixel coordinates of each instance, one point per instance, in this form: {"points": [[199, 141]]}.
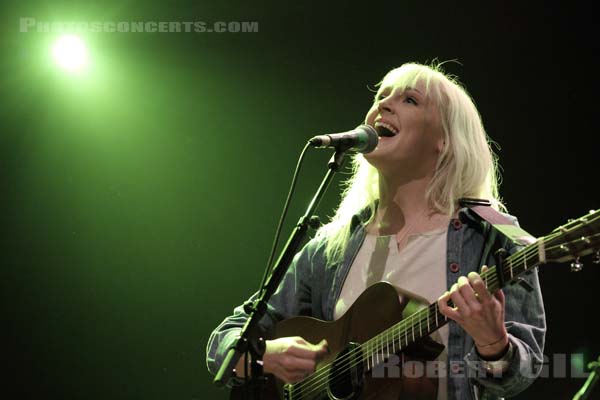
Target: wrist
{"points": [[499, 364], [494, 350]]}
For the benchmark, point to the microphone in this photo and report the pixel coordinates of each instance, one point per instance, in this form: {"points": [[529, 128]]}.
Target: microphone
{"points": [[363, 138]]}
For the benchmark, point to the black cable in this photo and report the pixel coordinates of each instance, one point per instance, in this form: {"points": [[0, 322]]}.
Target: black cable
{"points": [[282, 218]]}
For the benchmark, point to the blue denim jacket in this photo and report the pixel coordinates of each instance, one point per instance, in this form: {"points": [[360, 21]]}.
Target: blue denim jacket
{"points": [[311, 287]]}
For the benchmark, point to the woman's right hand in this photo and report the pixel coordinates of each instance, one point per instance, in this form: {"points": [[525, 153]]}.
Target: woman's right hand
{"points": [[292, 359]]}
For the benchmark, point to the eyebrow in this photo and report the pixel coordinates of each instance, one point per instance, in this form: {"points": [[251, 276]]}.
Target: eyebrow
{"points": [[413, 89], [405, 89]]}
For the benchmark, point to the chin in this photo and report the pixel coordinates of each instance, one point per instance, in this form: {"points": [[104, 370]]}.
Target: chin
{"points": [[380, 159]]}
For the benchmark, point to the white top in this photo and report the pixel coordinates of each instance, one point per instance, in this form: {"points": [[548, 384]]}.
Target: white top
{"points": [[418, 270]]}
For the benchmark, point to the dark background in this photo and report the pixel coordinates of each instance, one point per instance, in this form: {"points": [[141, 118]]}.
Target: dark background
{"points": [[139, 202]]}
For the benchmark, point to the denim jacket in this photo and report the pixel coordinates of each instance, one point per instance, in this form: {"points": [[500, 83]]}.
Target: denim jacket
{"points": [[311, 287]]}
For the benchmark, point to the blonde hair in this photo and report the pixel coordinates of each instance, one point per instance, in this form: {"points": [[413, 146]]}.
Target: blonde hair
{"points": [[466, 166]]}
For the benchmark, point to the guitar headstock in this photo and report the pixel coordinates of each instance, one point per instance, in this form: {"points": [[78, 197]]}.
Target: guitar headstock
{"points": [[577, 238]]}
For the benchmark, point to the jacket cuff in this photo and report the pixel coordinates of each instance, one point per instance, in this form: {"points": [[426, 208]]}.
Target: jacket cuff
{"points": [[484, 368]]}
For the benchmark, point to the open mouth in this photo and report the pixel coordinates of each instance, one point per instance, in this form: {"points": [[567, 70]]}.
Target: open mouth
{"points": [[385, 130]]}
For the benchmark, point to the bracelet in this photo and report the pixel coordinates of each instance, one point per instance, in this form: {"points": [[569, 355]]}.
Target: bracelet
{"points": [[496, 368], [481, 346]]}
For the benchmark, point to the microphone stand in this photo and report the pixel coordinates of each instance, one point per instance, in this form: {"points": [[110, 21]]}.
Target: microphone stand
{"points": [[249, 342], [591, 381]]}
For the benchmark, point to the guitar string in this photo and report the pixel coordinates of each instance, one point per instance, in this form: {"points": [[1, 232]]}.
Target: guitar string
{"points": [[372, 347], [402, 325], [338, 376], [400, 330], [397, 331]]}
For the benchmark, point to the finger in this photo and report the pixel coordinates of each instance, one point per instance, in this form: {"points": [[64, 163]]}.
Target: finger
{"points": [[478, 285], [322, 348], [294, 377], [459, 302], [300, 341], [300, 375], [304, 349], [445, 297], [467, 292], [500, 296], [484, 270], [322, 344], [303, 342], [298, 365], [445, 309]]}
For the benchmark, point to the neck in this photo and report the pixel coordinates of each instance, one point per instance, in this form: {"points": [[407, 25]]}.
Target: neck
{"points": [[402, 207]]}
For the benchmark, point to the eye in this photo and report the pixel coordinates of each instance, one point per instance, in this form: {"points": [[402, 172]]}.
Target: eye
{"points": [[381, 96], [410, 100]]}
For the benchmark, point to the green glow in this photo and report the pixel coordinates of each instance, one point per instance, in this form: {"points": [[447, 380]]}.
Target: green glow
{"points": [[70, 53], [578, 365]]}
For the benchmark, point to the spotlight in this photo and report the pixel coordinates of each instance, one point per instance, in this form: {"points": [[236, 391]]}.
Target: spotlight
{"points": [[70, 53]]}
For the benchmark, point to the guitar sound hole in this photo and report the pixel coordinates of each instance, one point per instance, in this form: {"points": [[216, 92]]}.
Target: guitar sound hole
{"points": [[346, 374]]}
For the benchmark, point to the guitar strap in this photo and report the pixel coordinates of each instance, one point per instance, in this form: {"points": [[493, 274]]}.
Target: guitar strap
{"points": [[499, 222], [500, 227]]}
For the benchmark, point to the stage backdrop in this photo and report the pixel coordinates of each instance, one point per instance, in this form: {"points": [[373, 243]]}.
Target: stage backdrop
{"points": [[140, 193]]}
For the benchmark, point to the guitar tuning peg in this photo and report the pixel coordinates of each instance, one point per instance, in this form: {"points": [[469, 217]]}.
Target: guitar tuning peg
{"points": [[597, 258], [576, 265]]}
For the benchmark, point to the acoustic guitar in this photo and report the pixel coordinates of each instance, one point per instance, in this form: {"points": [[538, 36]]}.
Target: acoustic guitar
{"points": [[373, 331]]}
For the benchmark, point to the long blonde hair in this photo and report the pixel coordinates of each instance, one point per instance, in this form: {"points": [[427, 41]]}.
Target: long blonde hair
{"points": [[466, 166]]}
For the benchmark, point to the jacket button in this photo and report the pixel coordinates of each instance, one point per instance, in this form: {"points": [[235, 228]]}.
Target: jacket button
{"points": [[454, 267], [456, 223]]}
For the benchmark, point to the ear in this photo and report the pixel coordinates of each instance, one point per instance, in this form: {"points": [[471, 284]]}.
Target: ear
{"points": [[441, 143]]}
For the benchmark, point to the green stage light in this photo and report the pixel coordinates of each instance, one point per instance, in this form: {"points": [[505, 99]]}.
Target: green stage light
{"points": [[70, 53]]}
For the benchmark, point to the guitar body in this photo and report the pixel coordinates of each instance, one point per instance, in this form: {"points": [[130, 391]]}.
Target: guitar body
{"points": [[377, 309]]}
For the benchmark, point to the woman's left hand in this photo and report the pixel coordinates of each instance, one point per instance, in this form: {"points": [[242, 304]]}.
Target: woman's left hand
{"points": [[478, 312]]}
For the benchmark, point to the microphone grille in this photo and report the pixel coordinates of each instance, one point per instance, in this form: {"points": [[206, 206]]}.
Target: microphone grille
{"points": [[372, 138]]}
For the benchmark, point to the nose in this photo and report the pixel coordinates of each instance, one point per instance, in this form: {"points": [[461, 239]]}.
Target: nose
{"points": [[384, 105]]}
